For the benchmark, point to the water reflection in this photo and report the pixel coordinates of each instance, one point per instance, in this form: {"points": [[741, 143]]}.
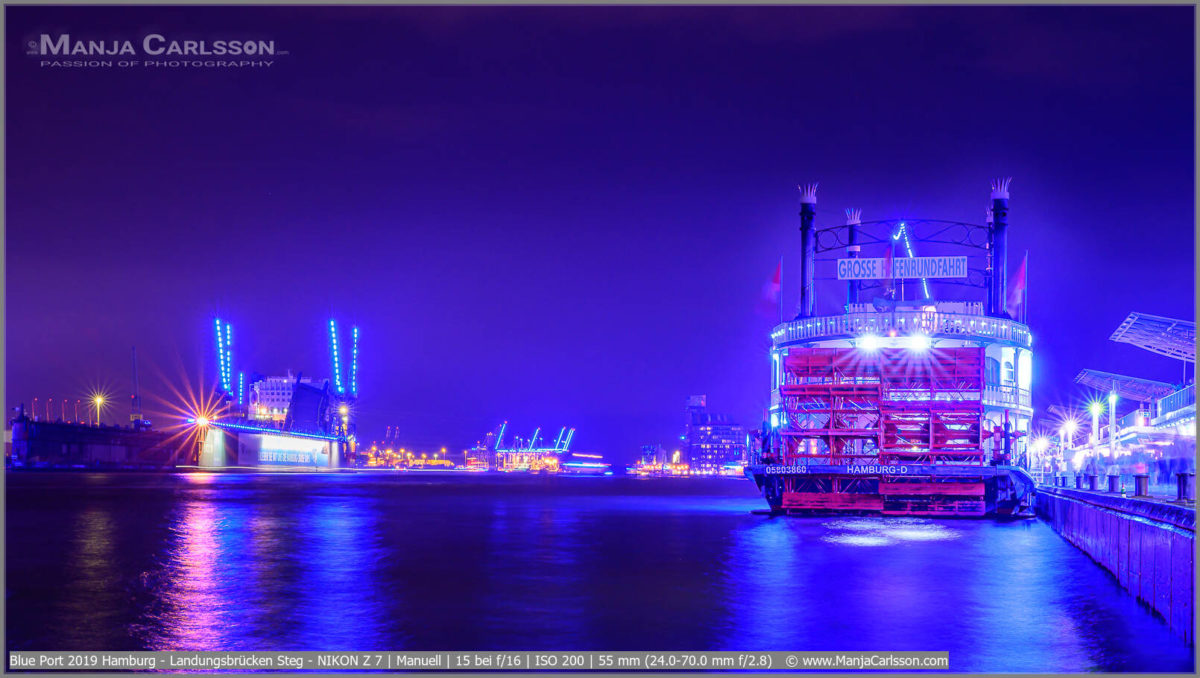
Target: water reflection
{"points": [[341, 608], [882, 531], [763, 572], [533, 555], [92, 581], [194, 595], [364, 561]]}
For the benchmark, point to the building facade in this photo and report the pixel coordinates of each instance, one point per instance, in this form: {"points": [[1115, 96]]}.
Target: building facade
{"points": [[712, 440]]}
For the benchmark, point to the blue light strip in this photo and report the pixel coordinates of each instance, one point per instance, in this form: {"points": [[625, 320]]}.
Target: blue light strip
{"points": [[228, 357], [220, 354], [354, 365], [585, 464], [269, 431], [501, 436], [241, 387], [337, 363], [908, 248]]}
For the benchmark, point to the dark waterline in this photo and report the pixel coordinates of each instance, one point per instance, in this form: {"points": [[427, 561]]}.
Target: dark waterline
{"points": [[453, 562]]}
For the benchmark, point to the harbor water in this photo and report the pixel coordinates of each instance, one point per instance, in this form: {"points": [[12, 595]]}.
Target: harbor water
{"points": [[440, 561]]}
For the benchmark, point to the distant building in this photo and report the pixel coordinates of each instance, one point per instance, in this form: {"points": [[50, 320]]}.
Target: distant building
{"points": [[655, 454], [712, 440]]}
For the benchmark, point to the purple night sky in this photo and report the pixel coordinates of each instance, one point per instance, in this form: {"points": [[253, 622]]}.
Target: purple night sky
{"points": [[565, 216]]}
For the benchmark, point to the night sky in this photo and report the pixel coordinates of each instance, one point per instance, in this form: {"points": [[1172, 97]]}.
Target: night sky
{"points": [[565, 216]]}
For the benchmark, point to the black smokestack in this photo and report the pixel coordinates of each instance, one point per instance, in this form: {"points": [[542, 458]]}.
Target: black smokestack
{"points": [[808, 248], [853, 219], [999, 246]]}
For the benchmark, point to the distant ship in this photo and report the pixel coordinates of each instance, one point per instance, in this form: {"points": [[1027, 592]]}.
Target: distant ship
{"points": [[525, 456]]}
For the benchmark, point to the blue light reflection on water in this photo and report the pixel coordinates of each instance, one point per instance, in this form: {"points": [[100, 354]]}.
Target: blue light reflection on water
{"points": [[438, 562]]}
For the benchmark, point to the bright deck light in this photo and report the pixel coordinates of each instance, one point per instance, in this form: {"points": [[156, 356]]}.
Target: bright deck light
{"points": [[919, 343], [869, 342], [202, 420]]}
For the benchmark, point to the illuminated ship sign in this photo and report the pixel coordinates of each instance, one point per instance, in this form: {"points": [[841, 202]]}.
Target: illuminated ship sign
{"points": [[902, 268], [282, 450]]}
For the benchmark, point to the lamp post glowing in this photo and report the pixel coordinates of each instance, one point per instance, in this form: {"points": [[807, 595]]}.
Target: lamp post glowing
{"points": [[1095, 409], [1040, 445], [1112, 426], [1067, 432], [98, 400]]}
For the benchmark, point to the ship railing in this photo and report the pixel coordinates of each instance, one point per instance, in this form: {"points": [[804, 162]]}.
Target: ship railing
{"points": [[1007, 396], [903, 322]]}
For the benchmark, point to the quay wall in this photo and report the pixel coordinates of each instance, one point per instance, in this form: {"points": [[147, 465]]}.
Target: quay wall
{"points": [[1149, 546]]}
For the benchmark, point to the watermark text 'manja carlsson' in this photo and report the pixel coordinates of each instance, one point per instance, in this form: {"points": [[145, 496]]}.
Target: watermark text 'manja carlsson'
{"points": [[157, 51]]}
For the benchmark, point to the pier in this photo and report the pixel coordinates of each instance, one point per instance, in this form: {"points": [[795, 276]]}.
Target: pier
{"points": [[1148, 544]]}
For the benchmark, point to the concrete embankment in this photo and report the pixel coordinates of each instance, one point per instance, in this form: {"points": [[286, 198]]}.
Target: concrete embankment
{"points": [[1148, 545]]}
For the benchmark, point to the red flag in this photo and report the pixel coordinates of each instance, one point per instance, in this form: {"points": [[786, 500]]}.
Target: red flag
{"points": [[1016, 289], [769, 305]]}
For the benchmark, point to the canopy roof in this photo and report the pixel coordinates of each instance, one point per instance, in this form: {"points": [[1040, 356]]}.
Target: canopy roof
{"points": [[1165, 336], [1132, 388]]}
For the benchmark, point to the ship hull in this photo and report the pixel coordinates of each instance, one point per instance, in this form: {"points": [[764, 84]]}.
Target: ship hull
{"points": [[898, 489]]}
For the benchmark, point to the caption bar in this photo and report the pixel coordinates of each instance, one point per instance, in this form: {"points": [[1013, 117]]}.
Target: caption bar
{"points": [[474, 661]]}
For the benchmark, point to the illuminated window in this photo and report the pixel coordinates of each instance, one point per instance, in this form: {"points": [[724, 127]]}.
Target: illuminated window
{"points": [[991, 372]]}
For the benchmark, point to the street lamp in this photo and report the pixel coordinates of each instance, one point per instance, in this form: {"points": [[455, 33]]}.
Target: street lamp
{"points": [[1112, 425], [1070, 426], [98, 400], [1095, 408]]}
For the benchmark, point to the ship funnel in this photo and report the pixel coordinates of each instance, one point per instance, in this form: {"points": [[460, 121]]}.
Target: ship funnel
{"points": [[999, 250], [853, 219], [808, 248]]}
